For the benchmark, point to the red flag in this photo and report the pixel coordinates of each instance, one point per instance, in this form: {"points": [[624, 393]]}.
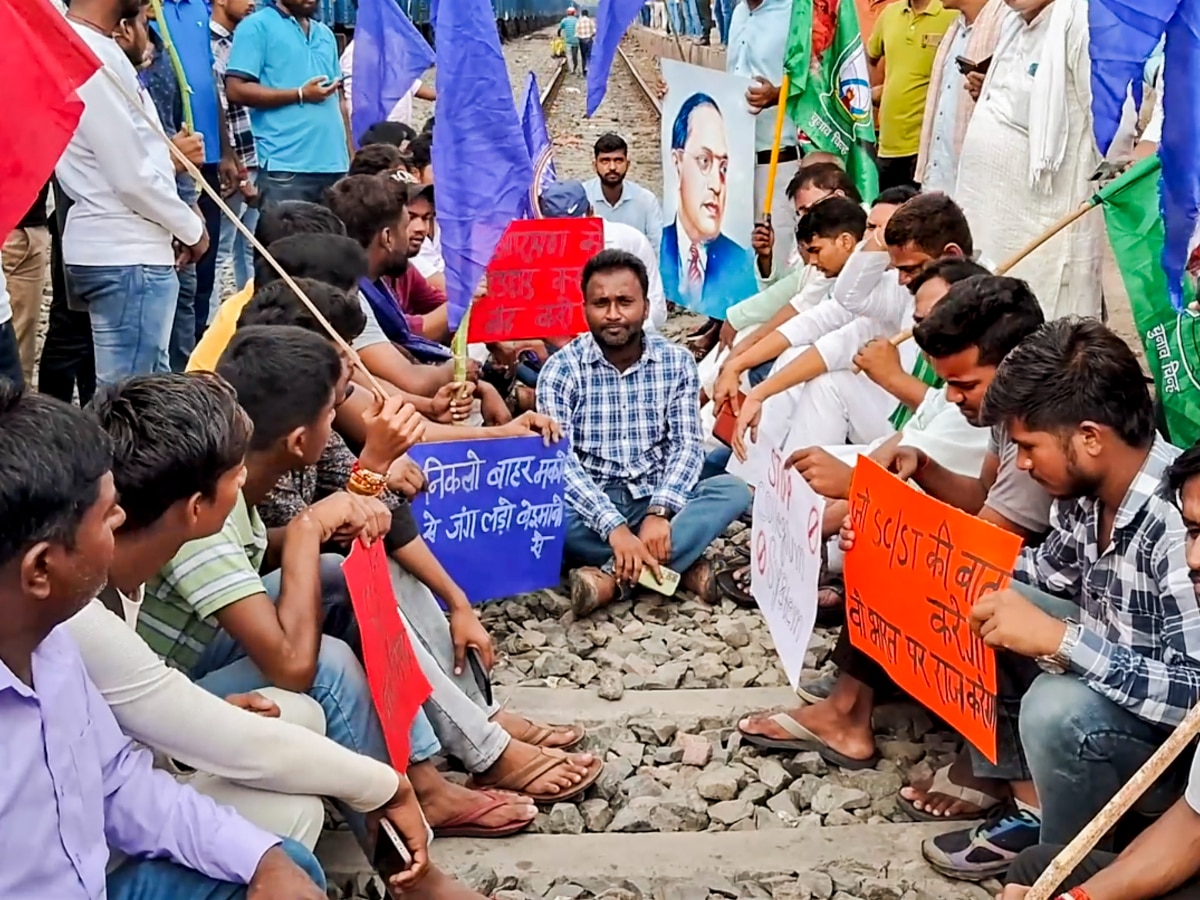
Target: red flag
{"points": [[45, 63], [398, 686]]}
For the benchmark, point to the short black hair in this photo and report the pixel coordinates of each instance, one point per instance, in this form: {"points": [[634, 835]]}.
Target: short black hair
{"points": [[612, 261], [931, 222], [950, 269], [277, 304], [333, 259], [895, 196], [173, 435], [375, 158], [610, 143], [367, 204], [284, 377], [52, 457], [427, 128], [1071, 371], [831, 217], [827, 176], [992, 313], [290, 217], [421, 149], [683, 118], [389, 133], [1185, 467]]}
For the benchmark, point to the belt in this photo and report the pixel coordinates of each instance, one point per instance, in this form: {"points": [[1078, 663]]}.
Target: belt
{"points": [[786, 154]]}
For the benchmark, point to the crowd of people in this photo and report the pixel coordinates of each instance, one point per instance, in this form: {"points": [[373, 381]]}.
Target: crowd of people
{"points": [[181, 491]]}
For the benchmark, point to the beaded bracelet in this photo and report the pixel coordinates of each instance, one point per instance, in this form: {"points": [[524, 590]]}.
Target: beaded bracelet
{"points": [[365, 483]]}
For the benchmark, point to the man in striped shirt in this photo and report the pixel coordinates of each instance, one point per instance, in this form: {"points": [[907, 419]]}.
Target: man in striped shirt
{"points": [[585, 30]]}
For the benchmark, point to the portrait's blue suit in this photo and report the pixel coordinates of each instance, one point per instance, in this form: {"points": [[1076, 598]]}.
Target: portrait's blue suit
{"points": [[728, 273]]}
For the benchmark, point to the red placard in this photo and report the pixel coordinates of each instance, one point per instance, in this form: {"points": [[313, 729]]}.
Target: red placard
{"points": [[398, 686], [533, 281]]}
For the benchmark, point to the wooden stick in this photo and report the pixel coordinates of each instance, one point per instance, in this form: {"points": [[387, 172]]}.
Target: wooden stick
{"points": [[1050, 232], [1072, 855], [675, 34], [895, 340], [780, 114], [185, 89], [191, 169]]}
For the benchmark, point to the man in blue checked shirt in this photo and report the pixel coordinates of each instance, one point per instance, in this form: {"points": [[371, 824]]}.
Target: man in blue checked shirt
{"points": [[630, 403], [1101, 642]]}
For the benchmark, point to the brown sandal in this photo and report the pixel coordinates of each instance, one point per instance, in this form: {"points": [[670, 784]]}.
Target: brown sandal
{"points": [[537, 734], [466, 825], [541, 764]]}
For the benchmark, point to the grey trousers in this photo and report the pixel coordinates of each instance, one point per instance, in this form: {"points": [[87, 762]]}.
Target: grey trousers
{"points": [[457, 708]]}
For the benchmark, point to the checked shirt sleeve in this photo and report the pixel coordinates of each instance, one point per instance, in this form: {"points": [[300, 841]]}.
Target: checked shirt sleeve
{"points": [[558, 398], [686, 456], [1054, 565]]}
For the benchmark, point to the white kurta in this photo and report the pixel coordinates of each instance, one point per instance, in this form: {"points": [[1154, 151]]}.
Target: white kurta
{"points": [[994, 186]]}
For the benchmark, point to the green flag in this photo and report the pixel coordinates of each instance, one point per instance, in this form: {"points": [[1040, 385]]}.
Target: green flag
{"points": [[1171, 338], [829, 98]]}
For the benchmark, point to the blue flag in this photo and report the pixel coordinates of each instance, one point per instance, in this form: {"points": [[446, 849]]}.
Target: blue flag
{"points": [[390, 55], [537, 142], [479, 157], [613, 18], [1122, 37]]}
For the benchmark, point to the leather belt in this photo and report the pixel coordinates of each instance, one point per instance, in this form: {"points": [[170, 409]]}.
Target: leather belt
{"points": [[786, 154]]}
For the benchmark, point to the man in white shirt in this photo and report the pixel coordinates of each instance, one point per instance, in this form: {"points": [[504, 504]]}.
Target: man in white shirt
{"points": [[616, 199], [569, 199], [122, 231], [403, 110], [10, 359]]}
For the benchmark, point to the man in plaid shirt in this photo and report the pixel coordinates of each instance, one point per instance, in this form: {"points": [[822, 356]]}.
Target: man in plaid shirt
{"points": [[585, 30], [1102, 626], [630, 404]]}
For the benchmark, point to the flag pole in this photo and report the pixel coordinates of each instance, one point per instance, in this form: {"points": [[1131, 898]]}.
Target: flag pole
{"points": [[191, 169], [185, 90], [780, 114], [1065, 222]]}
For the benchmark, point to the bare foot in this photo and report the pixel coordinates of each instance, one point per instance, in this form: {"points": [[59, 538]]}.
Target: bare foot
{"points": [[943, 805], [520, 727], [444, 801], [518, 755], [437, 885], [837, 730]]}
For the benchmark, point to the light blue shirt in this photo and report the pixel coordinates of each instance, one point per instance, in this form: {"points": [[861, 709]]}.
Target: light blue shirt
{"points": [[941, 168], [637, 208], [567, 27], [757, 42], [272, 49]]}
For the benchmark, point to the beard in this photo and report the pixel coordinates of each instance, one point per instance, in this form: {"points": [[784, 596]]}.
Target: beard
{"points": [[397, 265]]}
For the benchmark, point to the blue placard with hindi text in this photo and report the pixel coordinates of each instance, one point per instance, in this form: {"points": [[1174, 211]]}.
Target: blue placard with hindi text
{"points": [[494, 513]]}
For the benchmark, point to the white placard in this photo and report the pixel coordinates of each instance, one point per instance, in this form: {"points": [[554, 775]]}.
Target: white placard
{"points": [[785, 560]]}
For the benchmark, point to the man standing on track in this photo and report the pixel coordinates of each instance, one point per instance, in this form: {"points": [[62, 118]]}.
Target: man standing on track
{"points": [[567, 30], [585, 30]]}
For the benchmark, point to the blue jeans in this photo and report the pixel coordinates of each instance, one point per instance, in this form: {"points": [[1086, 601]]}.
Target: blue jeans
{"points": [[159, 879], [278, 187], [340, 685], [713, 505], [183, 328], [1078, 746], [132, 309], [232, 244]]}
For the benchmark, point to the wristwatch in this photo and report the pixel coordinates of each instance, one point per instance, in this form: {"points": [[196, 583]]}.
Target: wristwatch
{"points": [[661, 511], [1060, 661]]}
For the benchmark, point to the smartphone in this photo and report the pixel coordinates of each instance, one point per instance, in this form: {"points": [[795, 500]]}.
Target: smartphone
{"points": [[726, 419], [391, 856], [667, 587], [966, 67]]}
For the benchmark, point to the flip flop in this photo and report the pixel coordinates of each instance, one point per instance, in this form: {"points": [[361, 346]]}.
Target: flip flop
{"points": [[732, 587], [537, 733], [942, 784], [520, 780], [466, 825], [804, 739]]}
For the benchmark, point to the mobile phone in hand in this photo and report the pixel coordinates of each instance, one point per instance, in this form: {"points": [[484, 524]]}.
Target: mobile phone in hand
{"points": [[667, 587], [391, 856]]}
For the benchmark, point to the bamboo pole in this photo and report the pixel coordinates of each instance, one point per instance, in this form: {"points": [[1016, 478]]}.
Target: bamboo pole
{"points": [[191, 169], [185, 89], [780, 114], [1072, 854], [1046, 235], [683, 57], [895, 340]]}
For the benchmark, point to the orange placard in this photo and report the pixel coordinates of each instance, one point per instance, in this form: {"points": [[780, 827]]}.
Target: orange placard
{"points": [[916, 569]]}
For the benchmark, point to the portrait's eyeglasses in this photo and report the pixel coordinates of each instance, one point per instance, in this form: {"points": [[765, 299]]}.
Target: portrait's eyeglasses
{"points": [[705, 160]]}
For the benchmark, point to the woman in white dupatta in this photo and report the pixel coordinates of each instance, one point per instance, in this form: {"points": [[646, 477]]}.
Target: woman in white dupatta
{"points": [[1028, 154]]}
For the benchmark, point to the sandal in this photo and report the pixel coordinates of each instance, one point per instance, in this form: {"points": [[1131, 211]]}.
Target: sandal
{"points": [[733, 581], [466, 824], [541, 764], [942, 784], [537, 733], [802, 740]]}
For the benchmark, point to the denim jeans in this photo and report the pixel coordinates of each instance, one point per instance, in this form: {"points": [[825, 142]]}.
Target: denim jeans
{"points": [[1029, 866], [10, 357], [713, 505], [132, 309], [278, 187], [585, 52], [159, 879], [1078, 746], [206, 268], [183, 328], [233, 245], [340, 685]]}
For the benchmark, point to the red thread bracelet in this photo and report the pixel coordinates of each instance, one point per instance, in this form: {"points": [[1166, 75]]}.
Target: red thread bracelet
{"points": [[1075, 894]]}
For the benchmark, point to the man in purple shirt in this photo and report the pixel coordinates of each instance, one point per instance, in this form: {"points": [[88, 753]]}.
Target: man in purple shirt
{"points": [[74, 785]]}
